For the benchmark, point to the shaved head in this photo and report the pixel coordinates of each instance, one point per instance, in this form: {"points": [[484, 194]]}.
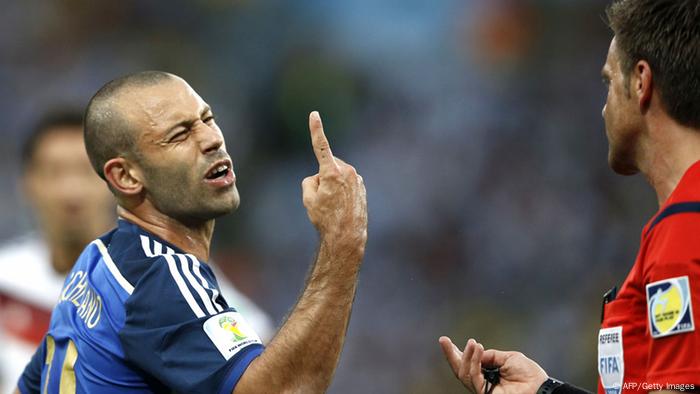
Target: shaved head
{"points": [[108, 132]]}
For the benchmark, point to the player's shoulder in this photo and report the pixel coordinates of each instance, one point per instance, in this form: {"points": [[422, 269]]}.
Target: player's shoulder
{"points": [[27, 247], [135, 253], [26, 268], [152, 269]]}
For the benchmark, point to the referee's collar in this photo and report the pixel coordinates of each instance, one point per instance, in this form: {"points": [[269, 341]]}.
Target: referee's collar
{"points": [[688, 188], [684, 198]]}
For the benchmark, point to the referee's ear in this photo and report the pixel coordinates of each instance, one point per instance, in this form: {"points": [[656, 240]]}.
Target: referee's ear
{"points": [[123, 177]]}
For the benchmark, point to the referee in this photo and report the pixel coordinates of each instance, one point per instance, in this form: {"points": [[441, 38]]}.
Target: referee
{"points": [[648, 342]]}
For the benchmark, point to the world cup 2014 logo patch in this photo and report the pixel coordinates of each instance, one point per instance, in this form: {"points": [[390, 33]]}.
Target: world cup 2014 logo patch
{"points": [[231, 325], [230, 333], [669, 307]]}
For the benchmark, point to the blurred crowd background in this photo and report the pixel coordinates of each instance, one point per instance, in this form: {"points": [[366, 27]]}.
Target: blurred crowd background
{"points": [[475, 124]]}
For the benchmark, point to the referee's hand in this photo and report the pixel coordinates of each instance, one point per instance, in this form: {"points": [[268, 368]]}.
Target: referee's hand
{"points": [[518, 374]]}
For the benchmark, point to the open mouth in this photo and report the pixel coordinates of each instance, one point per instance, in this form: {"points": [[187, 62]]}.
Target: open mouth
{"points": [[219, 171]]}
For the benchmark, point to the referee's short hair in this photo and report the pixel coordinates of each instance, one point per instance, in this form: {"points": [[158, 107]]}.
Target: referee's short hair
{"points": [[63, 117], [108, 133], [666, 34]]}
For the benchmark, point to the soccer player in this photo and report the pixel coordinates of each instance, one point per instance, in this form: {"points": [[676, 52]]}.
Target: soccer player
{"points": [[648, 341], [71, 207], [141, 310]]}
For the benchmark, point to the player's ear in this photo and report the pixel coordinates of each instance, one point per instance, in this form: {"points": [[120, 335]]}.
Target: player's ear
{"points": [[123, 176], [642, 84], [31, 185]]}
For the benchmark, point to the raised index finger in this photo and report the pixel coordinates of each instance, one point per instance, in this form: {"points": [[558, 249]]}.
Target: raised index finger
{"points": [[322, 148]]}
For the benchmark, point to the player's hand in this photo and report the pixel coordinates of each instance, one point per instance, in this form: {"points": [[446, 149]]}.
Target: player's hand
{"points": [[518, 374], [335, 198]]}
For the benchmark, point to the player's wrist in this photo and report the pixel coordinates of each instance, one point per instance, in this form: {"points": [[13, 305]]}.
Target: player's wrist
{"points": [[348, 247]]}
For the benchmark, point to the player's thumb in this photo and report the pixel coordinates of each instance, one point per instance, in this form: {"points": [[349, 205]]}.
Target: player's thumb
{"points": [[309, 186]]}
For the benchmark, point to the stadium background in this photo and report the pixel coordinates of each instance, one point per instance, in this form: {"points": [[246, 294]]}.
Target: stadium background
{"points": [[476, 126]]}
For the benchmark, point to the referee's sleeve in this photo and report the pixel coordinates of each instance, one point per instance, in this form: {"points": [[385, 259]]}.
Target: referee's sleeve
{"points": [[672, 260], [178, 331]]}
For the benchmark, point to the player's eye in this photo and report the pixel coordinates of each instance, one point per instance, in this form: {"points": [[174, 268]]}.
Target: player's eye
{"points": [[606, 81], [179, 136], [209, 119]]}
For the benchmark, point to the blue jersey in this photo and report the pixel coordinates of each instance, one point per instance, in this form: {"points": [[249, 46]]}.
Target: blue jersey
{"points": [[136, 314]]}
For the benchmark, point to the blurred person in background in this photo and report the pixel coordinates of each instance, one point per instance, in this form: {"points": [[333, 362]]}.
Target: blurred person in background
{"points": [[72, 207], [648, 341]]}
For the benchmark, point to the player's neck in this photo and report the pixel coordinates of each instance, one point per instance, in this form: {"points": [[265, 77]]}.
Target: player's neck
{"points": [[64, 254], [193, 238], [668, 151]]}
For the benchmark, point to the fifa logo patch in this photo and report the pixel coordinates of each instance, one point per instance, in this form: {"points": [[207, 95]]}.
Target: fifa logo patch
{"points": [[669, 308], [231, 325], [230, 333]]}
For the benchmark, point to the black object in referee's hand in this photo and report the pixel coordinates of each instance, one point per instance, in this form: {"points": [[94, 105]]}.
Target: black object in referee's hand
{"points": [[492, 377]]}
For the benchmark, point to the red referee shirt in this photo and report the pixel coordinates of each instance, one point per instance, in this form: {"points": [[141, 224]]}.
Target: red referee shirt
{"points": [[649, 339]]}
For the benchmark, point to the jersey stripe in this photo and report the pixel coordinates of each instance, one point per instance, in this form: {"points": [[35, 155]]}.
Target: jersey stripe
{"points": [[210, 304], [673, 209], [184, 263], [215, 293], [157, 248], [145, 244], [128, 287], [184, 290]]}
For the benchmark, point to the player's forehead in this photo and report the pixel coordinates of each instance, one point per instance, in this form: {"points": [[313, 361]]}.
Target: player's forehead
{"points": [[156, 108], [64, 135], [60, 144]]}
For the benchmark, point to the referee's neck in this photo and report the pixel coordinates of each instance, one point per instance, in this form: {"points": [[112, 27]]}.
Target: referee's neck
{"points": [[667, 153]]}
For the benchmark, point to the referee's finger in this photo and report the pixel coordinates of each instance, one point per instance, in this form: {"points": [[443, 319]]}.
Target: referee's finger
{"points": [[475, 366], [452, 353], [494, 358]]}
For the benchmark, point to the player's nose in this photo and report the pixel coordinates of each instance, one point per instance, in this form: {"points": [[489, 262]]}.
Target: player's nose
{"points": [[211, 138]]}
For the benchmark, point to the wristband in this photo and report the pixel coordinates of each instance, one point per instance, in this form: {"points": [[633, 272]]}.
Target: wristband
{"points": [[549, 386]]}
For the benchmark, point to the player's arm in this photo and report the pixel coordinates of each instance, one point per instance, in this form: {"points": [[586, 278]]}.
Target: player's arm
{"points": [[303, 355], [30, 381]]}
